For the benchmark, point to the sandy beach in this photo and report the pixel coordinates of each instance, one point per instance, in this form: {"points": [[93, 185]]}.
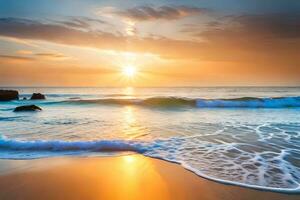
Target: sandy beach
{"points": [[123, 177]]}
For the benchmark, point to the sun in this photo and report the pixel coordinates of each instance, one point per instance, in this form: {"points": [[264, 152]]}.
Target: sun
{"points": [[129, 71]]}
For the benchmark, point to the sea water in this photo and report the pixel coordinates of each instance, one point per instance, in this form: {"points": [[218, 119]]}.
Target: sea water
{"points": [[247, 136]]}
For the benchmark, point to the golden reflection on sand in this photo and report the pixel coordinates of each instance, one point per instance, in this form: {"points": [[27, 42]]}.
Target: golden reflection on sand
{"points": [[134, 169], [130, 177], [123, 177]]}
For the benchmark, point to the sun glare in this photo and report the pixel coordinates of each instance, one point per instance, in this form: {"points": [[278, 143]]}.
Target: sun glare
{"points": [[129, 71]]}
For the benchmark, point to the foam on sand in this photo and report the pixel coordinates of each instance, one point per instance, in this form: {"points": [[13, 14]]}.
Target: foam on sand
{"points": [[232, 164]]}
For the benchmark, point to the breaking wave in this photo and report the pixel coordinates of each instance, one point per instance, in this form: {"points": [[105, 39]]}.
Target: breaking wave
{"points": [[59, 145], [244, 102]]}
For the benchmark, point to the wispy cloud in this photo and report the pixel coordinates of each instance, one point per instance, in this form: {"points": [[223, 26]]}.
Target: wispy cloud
{"points": [[15, 59], [50, 56], [17, 40], [35, 30], [80, 22], [147, 13], [264, 26]]}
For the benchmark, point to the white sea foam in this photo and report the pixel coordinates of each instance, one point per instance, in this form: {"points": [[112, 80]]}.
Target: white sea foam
{"points": [[237, 163]]}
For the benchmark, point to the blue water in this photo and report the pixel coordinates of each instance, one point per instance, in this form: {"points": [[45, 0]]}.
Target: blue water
{"points": [[242, 136]]}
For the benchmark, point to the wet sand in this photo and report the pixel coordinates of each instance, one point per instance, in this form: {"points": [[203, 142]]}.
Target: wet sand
{"points": [[123, 177]]}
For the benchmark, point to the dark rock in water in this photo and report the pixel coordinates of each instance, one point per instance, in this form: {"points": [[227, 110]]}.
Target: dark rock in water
{"points": [[7, 95], [37, 96], [24, 98], [27, 108]]}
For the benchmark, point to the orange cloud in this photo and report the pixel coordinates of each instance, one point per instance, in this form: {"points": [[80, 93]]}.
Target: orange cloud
{"points": [[52, 56], [14, 59]]}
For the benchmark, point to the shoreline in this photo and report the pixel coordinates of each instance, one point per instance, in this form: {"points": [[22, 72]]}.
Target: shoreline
{"points": [[131, 176]]}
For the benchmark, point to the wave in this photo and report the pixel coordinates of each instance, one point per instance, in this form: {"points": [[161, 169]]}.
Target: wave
{"points": [[161, 149], [244, 102], [251, 102], [59, 145], [10, 118], [178, 102]]}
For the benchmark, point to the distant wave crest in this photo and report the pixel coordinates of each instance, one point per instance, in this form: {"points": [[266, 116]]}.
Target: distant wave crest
{"points": [[250, 102], [244, 102]]}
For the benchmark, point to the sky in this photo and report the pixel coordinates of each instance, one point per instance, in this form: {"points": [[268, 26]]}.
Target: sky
{"points": [[166, 42]]}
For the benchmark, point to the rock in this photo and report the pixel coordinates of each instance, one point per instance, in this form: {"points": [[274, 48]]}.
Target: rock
{"points": [[24, 98], [27, 108], [36, 96], [7, 95]]}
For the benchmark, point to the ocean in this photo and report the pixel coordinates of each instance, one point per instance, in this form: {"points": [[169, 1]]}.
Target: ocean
{"points": [[247, 136]]}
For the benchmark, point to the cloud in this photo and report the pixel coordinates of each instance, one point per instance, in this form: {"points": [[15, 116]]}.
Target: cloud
{"points": [[147, 13], [11, 58], [264, 26], [29, 56], [52, 56], [80, 22], [268, 38], [35, 30]]}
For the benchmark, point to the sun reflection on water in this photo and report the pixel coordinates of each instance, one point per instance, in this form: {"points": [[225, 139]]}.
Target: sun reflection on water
{"points": [[129, 92], [130, 127]]}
